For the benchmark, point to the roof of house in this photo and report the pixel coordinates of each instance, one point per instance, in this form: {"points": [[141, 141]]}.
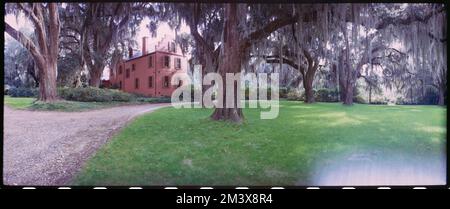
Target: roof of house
{"points": [[140, 56]]}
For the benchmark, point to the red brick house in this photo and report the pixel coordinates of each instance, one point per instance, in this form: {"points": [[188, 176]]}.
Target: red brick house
{"points": [[150, 74]]}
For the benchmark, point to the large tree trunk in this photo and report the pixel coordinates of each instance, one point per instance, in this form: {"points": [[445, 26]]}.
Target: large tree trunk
{"points": [[349, 87], [441, 98], [45, 54], [208, 66], [47, 81], [441, 95], [348, 100], [309, 93], [230, 62], [95, 77], [342, 77]]}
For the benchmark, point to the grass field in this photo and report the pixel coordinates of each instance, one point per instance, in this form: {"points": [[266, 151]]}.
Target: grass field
{"points": [[18, 102], [64, 105], [183, 147]]}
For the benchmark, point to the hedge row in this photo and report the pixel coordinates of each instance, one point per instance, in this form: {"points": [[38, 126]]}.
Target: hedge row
{"points": [[23, 92], [92, 94], [321, 95]]}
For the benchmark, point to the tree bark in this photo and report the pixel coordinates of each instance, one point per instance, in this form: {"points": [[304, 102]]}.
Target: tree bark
{"points": [[230, 62], [348, 100], [441, 98], [47, 83], [309, 93], [308, 76], [95, 79]]}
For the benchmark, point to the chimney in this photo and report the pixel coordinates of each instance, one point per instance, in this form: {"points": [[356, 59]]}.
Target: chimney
{"points": [[144, 45], [130, 52]]}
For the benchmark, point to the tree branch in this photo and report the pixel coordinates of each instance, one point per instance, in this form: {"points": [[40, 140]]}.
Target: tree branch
{"points": [[26, 42], [267, 30], [406, 21]]}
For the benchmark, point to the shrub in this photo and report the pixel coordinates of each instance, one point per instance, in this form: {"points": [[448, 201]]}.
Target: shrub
{"points": [[91, 94], [23, 92], [378, 102], [294, 95], [326, 95], [154, 99], [114, 86], [268, 90], [359, 99], [283, 92], [120, 96]]}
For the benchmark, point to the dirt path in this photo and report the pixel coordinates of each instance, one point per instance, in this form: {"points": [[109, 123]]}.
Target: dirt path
{"points": [[49, 148]]}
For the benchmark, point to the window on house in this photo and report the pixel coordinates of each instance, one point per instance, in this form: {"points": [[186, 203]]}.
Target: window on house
{"points": [[150, 61], [136, 83], [178, 63], [133, 67], [173, 48], [150, 82], [120, 70], [127, 73], [120, 84], [167, 61], [166, 81]]}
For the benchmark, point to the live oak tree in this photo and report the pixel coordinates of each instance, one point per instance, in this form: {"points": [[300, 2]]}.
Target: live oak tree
{"points": [[240, 31], [45, 19], [237, 34], [99, 28], [205, 22], [382, 24]]}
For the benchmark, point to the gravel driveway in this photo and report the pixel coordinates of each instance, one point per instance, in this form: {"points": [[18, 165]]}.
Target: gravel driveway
{"points": [[49, 148]]}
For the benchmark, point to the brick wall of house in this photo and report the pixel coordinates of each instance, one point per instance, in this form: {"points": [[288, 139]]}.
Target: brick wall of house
{"points": [[138, 80]]}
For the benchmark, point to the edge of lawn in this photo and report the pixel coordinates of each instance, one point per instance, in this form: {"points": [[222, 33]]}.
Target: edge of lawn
{"points": [[32, 104]]}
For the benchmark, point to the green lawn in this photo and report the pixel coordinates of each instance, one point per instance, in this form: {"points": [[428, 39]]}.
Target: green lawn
{"points": [[183, 147], [18, 102], [64, 105]]}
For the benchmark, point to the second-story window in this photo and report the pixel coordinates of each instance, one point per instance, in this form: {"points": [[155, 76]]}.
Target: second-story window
{"points": [[167, 61], [133, 67], [150, 61], [127, 73], [173, 48], [120, 70], [178, 63]]}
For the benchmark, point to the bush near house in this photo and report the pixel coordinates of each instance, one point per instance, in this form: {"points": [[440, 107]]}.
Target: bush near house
{"points": [[92, 94], [23, 92], [154, 99]]}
